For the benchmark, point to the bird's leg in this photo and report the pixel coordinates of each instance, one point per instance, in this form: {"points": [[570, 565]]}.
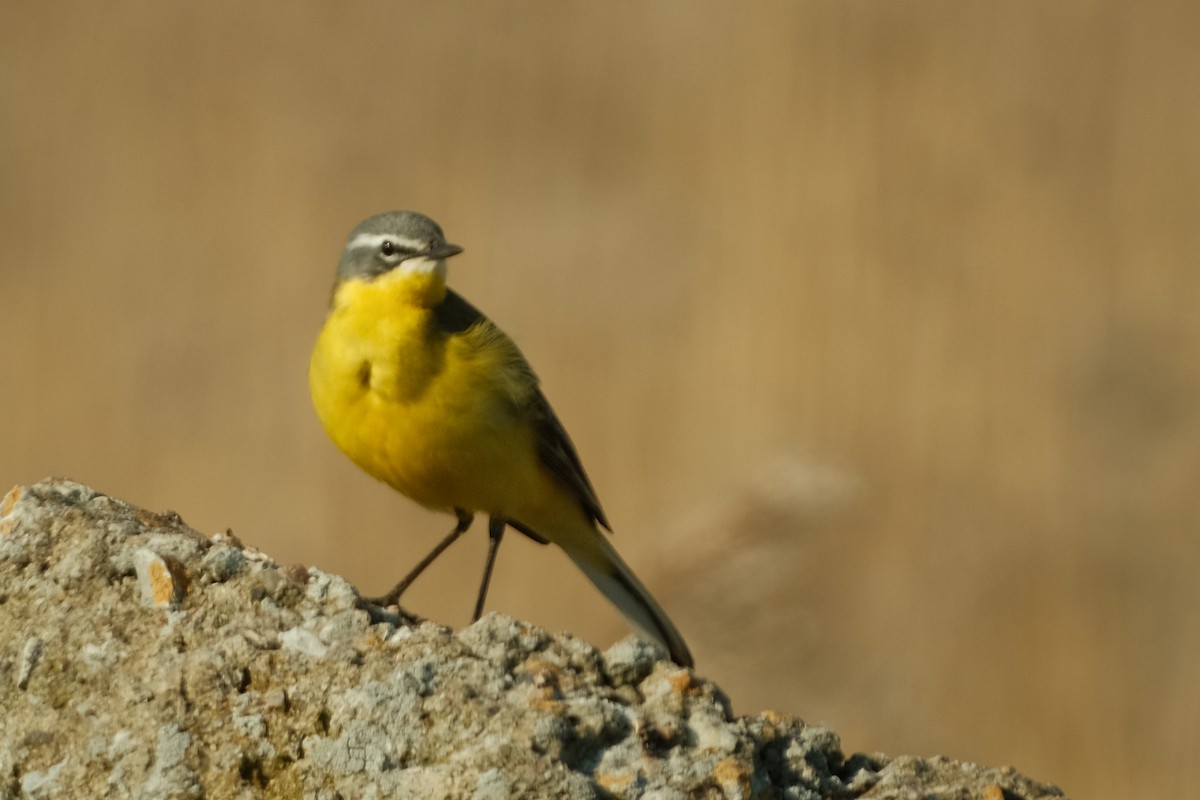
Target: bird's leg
{"points": [[464, 521], [495, 534]]}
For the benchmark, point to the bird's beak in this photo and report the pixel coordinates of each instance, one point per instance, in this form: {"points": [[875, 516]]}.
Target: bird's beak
{"points": [[444, 251]]}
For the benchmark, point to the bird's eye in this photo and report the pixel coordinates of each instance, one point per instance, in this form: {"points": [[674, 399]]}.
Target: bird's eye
{"points": [[388, 248]]}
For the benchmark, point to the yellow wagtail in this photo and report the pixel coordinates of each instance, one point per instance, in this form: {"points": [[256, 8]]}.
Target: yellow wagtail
{"points": [[426, 394]]}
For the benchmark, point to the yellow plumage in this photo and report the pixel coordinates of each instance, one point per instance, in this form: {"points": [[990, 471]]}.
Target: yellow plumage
{"points": [[427, 395], [434, 417]]}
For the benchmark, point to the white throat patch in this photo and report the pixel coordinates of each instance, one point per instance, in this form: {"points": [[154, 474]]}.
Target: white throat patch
{"points": [[420, 265]]}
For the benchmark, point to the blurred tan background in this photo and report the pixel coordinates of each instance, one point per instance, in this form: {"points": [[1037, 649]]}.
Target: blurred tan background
{"points": [[875, 324]]}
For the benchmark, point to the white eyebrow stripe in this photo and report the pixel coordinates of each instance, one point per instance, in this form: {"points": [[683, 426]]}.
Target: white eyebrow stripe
{"points": [[373, 240]]}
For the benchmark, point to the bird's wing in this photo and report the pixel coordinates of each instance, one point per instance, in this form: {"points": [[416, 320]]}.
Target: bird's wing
{"points": [[455, 315], [558, 455], [554, 447]]}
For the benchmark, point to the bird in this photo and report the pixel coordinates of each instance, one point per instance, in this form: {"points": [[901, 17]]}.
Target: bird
{"points": [[426, 394]]}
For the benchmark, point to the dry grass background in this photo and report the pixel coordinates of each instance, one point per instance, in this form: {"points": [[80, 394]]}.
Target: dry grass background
{"points": [[875, 323]]}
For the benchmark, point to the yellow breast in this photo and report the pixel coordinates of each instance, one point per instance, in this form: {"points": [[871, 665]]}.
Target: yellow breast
{"points": [[439, 416]]}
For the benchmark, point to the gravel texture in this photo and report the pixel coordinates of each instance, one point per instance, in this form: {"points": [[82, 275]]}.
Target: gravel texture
{"points": [[141, 659]]}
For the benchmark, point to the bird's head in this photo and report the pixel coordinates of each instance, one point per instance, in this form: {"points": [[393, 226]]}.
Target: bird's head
{"points": [[403, 241]]}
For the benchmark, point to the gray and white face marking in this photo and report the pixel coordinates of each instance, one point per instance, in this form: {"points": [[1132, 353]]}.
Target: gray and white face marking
{"points": [[405, 239]]}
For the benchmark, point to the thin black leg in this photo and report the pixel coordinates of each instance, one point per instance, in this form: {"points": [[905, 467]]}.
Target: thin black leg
{"points": [[495, 534], [464, 522]]}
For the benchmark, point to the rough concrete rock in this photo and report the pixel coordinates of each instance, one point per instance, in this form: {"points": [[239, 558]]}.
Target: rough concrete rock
{"points": [[141, 659]]}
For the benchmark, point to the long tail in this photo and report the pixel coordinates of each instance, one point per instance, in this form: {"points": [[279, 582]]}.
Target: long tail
{"points": [[612, 576]]}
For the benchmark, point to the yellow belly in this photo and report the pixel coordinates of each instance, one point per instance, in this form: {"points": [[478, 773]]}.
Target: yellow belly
{"points": [[434, 417]]}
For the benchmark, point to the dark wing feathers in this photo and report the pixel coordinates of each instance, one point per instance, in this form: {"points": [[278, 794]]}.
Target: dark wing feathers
{"points": [[455, 315], [557, 454]]}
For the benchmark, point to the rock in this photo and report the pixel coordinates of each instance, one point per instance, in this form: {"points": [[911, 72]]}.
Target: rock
{"points": [[139, 658]]}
